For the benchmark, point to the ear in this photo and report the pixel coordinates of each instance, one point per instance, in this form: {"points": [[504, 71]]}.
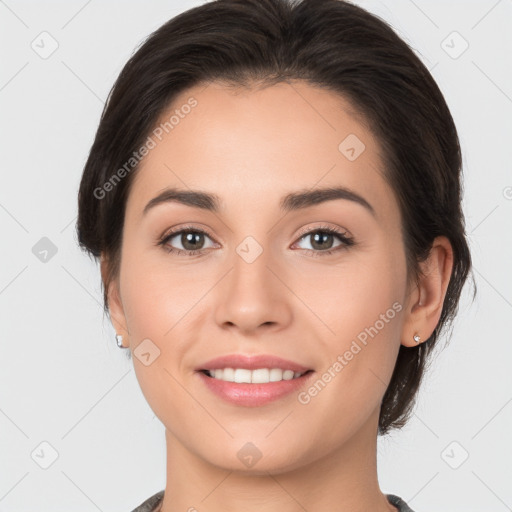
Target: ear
{"points": [[426, 298], [115, 306]]}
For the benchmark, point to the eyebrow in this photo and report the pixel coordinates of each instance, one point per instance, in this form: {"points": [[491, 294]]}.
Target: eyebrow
{"points": [[293, 201]]}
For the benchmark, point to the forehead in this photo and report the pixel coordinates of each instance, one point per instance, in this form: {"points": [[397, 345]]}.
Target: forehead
{"points": [[252, 146]]}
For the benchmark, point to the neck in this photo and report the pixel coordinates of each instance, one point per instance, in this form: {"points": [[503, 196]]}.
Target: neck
{"points": [[344, 480]]}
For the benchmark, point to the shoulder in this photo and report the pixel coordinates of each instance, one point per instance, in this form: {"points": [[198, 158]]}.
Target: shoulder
{"points": [[152, 504], [399, 503]]}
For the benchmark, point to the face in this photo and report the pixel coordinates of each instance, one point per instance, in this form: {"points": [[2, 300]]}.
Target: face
{"points": [[278, 268]]}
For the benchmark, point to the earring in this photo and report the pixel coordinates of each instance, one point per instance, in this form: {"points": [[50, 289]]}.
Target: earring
{"points": [[416, 338], [119, 340]]}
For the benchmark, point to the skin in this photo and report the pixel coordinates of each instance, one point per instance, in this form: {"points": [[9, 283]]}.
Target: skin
{"points": [[251, 147]]}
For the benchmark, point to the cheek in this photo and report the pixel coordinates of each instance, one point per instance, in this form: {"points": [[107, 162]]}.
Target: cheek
{"points": [[360, 307], [159, 305], [352, 296], [157, 298]]}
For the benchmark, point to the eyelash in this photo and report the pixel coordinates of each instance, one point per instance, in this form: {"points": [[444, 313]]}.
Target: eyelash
{"points": [[342, 236]]}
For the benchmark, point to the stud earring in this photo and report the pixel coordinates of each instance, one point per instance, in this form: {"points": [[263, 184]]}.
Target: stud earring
{"points": [[416, 338], [119, 340]]}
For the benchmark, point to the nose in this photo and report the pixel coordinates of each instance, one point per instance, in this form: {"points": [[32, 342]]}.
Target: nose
{"points": [[251, 297]]}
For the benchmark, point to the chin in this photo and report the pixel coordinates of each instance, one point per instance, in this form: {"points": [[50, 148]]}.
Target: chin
{"points": [[251, 460]]}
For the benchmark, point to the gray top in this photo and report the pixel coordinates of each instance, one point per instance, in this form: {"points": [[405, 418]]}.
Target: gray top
{"points": [[154, 503]]}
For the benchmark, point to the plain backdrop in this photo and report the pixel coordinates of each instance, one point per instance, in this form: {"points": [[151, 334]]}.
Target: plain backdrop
{"points": [[75, 430]]}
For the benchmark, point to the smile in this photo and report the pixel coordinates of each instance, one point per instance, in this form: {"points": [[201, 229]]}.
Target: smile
{"points": [[253, 388], [257, 376]]}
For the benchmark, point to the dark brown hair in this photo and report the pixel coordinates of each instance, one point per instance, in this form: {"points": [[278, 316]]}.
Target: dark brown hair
{"points": [[331, 44]]}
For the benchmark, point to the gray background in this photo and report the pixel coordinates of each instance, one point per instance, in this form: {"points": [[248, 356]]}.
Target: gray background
{"points": [[67, 391]]}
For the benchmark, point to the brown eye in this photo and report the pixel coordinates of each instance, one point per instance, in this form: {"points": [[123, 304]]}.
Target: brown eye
{"points": [[191, 241], [322, 240], [185, 241]]}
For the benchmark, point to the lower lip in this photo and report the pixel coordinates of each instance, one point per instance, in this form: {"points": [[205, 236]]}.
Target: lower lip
{"points": [[253, 395]]}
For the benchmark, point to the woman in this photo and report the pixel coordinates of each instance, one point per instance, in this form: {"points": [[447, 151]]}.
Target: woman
{"points": [[240, 138]]}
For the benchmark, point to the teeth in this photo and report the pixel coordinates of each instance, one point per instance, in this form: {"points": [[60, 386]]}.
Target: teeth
{"points": [[258, 376]]}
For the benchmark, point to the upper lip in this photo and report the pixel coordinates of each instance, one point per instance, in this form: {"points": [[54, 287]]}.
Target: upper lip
{"points": [[251, 362]]}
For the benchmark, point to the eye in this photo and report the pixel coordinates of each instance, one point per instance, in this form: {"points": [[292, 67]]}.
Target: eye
{"points": [[322, 240], [190, 239]]}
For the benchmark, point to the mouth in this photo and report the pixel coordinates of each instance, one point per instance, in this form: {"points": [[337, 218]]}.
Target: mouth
{"points": [[253, 388], [254, 376], [252, 380]]}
